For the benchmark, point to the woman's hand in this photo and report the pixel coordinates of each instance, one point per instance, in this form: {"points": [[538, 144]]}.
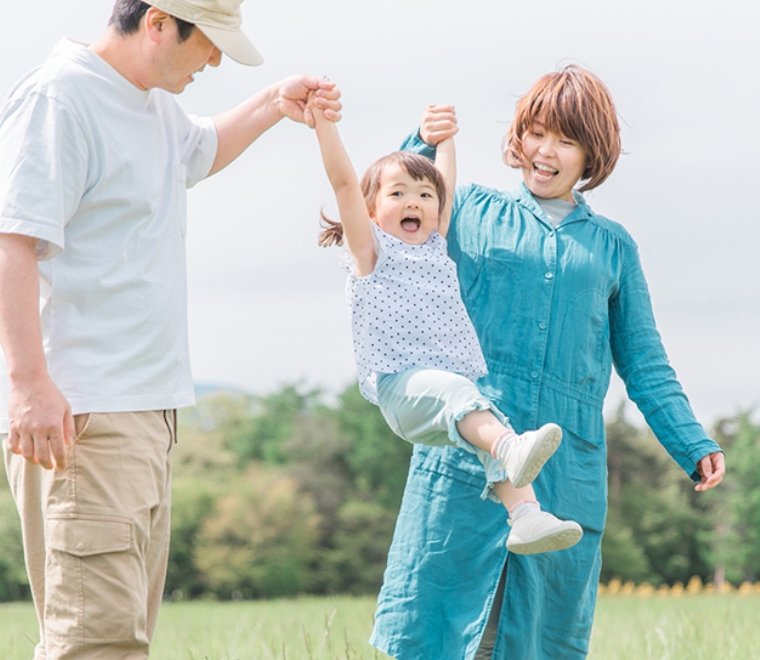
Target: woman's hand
{"points": [[712, 469], [438, 123]]}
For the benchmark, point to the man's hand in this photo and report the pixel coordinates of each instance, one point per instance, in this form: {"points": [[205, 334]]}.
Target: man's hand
{"points": [[712, 469], [40, 417], [41, 424], [438, 123], [293, 93], [239, 127]]}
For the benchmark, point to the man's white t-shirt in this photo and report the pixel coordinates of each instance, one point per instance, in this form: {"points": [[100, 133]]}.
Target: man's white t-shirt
{"points": [[97, 170]]}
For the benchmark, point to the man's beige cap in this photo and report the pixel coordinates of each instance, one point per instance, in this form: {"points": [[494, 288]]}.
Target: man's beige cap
{"points": [[220, 21]]}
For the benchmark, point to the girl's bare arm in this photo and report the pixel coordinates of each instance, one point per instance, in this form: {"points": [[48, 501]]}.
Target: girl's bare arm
{"points": [[437, 128], [445, 161], [354, 216]]}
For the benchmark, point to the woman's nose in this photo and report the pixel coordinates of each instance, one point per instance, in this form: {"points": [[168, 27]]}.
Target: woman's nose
{"points": [[547, 147]]}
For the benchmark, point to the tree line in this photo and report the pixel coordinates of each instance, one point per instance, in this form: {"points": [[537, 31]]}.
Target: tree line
{"points": [[294, 493]]}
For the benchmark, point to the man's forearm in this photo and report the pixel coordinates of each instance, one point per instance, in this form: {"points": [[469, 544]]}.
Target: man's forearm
{"points": [[238, 128], [20, 334]]}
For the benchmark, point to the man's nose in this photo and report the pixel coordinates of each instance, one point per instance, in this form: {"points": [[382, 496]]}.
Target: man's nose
{"points": [[215, 58]]}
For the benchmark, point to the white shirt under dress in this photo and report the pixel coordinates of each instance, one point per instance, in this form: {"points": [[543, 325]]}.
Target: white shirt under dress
{"points": [[408, 313]]}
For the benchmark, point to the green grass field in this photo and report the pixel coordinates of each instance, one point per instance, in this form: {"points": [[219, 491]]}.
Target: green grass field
{"points": [[627, 628]]}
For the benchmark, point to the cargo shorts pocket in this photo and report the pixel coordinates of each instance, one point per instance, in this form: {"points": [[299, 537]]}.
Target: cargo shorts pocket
{"points": [[91, 579]]}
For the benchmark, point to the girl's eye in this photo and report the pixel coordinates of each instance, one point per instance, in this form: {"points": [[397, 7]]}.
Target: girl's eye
{"points": [[396, 193], [427, 195]]}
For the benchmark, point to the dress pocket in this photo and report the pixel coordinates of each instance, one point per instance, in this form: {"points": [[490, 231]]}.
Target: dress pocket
{"points": [[586, 330], [496, 304]]}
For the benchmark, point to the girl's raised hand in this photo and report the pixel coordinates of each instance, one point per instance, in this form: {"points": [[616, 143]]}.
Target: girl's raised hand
{"points": [[438, 123], [326, 101]]}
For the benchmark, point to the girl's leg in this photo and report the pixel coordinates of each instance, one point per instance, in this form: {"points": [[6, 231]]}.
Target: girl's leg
{"points": [[534, 530], [522, 456], [433, 407]]}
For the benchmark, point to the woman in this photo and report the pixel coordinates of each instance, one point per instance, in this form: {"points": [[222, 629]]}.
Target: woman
{"points": [[556, 295]]}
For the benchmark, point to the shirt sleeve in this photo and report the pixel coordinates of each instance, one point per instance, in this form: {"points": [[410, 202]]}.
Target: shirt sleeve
{"points": [[43, 170], [640, 360], [198, 143]]}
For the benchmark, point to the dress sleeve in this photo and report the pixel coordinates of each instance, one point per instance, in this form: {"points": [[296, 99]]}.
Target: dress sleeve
{"points": [[43, 170], [642, 363], [414, 143]]}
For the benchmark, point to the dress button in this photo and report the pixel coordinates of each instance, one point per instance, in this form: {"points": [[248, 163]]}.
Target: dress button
{"points": [[549, 276], [534, 374], [542, 325]]}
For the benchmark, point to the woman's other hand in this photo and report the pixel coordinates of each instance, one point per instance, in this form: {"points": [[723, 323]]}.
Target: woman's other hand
{"points": [[712, 469]]}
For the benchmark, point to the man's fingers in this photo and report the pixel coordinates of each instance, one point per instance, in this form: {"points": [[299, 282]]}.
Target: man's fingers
{"points": [[332, 115], [58, 449], [42, 452], [13, 441], [328, 103], [69, 428]]}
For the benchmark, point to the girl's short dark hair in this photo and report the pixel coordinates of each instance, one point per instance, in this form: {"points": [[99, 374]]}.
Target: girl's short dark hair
{"points": [[127, 14], [577, 104], [416, 166]]}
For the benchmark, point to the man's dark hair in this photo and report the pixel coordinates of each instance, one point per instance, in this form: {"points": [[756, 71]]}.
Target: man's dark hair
{"points": [[127, 14]]}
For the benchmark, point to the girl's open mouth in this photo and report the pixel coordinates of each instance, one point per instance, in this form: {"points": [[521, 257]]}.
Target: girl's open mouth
{"points": [[410, 224]]}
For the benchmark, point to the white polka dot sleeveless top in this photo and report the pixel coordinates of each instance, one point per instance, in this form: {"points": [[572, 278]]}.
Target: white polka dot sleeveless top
{"points": [[408, 313]]}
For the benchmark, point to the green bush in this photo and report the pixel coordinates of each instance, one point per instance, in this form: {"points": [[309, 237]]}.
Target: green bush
{"points": [[261, 538]]}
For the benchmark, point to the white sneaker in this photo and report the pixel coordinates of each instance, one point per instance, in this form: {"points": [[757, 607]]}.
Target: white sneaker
{"points": [[524, 455], [539, 531]]}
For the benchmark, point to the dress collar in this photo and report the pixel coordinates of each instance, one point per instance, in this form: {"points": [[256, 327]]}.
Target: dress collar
{"points": [[582, 210]]}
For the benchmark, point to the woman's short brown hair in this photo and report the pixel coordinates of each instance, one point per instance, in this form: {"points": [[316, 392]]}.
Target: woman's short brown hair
{"points": [[575, 103]]}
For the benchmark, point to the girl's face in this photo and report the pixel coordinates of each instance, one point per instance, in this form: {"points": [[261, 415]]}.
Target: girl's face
{"points": [[552, 164], [405, 207]]}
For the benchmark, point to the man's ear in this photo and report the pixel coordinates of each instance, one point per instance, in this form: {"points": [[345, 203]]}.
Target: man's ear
{"points": [[156, 22]]}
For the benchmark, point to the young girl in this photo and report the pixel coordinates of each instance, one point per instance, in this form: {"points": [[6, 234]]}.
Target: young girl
{"points": [[416, 351]]}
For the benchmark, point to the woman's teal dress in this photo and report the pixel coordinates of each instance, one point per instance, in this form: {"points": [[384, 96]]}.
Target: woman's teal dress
{"points": [[554, 309]]}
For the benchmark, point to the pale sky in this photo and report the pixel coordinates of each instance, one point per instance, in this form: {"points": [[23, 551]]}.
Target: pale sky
{"points": [[267, 305]]}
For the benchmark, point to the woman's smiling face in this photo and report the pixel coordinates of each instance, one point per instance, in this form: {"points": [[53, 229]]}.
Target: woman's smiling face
{"points": [[551, 163]]}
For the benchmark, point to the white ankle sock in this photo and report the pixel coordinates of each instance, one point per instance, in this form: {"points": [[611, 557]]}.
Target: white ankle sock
{"points": [[523, 508], [501, 444]]}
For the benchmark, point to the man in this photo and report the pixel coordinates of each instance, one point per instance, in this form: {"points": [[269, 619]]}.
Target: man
{"points": [[95, 159]]}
